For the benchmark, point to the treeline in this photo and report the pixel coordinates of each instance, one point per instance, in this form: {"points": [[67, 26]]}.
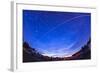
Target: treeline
{"points": [[32, 55]]}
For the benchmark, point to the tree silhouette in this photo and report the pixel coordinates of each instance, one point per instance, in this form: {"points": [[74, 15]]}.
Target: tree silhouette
{"points": [[32, 55]]}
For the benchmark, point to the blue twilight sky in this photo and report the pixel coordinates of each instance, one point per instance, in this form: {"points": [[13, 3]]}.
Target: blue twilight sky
{"points": [[56, 33]]}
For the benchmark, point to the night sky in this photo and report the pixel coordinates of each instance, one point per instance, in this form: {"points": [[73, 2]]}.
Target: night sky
{"points": [[56, 34]]}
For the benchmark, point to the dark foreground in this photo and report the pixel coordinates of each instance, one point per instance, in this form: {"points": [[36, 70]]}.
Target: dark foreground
{"points": [[32, 55]]}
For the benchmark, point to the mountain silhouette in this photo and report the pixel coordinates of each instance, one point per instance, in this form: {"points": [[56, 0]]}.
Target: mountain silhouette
{"points": [[32, 55], [84, 53]]}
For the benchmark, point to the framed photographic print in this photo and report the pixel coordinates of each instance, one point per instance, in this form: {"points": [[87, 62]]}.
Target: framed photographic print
{"points": [[52, 36]]}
